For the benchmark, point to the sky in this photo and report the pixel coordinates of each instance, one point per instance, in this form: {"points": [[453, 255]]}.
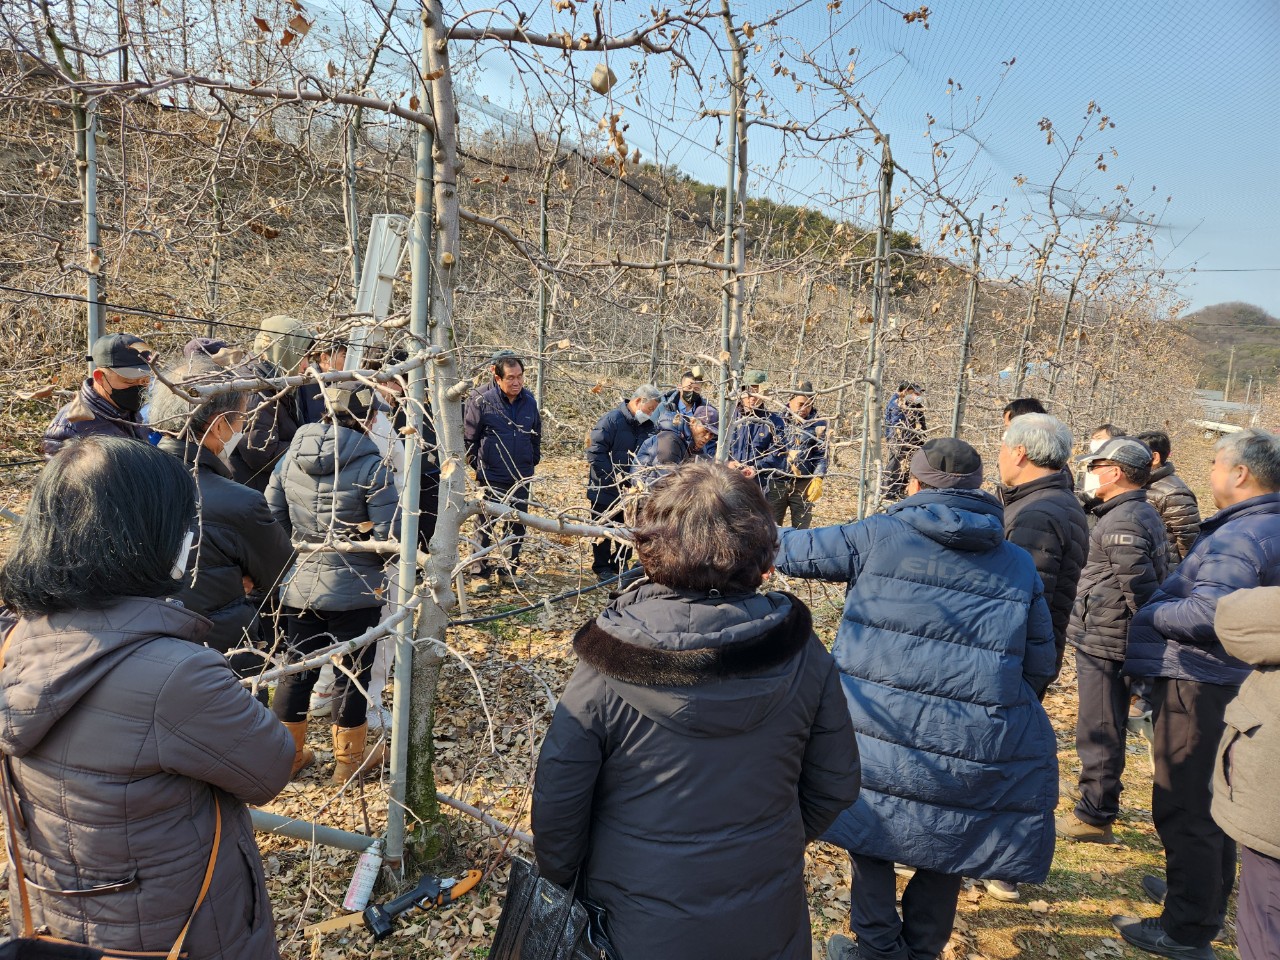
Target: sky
{"points": [[1193, 90]]}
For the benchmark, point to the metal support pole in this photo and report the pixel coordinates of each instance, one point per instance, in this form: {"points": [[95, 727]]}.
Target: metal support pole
{"points": [[93, 251], [420, 241], [875, 358], [662, 301], [971, 305], [804, 328], [265, 822]]}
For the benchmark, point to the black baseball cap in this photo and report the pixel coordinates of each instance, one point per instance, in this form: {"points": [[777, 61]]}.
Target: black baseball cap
{"points": [[122, 353]]}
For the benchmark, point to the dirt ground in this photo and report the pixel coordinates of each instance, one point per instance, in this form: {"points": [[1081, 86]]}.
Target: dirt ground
{"points": [[486, 752]]}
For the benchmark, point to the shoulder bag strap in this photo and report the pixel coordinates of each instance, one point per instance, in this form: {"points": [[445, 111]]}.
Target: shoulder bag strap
{"points": [[10, 803]]}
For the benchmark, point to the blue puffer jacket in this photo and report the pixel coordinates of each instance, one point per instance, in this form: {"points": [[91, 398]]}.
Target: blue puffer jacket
{"points": [[759, 441], [944, 643], [1173, 635], [668, 447], [503, 437], [610, 452]]}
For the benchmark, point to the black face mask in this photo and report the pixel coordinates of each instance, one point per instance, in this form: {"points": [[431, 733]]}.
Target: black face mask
{"points": [[128, 399], [688, 395]]}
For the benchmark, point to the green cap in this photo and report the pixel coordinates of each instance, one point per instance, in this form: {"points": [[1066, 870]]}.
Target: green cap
{"points": [[755, 378]]}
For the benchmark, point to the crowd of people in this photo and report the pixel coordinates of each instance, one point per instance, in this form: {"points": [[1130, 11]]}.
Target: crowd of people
{"points": [[707, 734]]}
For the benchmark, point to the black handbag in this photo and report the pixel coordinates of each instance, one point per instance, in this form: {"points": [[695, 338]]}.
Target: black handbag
{"points": [[542, 920]]}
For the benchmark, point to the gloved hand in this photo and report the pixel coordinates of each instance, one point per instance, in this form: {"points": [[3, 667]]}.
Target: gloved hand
{"points": [[814, 491]]}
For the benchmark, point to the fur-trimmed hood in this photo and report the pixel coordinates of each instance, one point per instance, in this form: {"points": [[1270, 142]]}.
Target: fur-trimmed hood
{"points": [[703, 665]]}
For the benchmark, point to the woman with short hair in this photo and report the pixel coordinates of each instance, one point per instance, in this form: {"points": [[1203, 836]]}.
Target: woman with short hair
{"points": [[702, 741], [126, 741]]}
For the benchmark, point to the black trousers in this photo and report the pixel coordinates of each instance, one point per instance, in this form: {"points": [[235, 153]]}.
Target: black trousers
{"points": [[1101, 726], [1258, 906], [608, 557], [310, 630], [514, 495], [928, 911], [1200, 860]]}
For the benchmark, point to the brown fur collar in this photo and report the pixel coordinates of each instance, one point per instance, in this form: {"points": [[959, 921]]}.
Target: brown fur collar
{"points": [[652, 667]]}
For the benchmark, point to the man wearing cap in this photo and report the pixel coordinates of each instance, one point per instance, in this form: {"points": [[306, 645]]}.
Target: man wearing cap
{"points": [[806, 435], [1128, 557], [904, 432], [502, 430], [943, 648], [678, 439], [110, 400], [757, 437], [1174, 640], [686, 398]]}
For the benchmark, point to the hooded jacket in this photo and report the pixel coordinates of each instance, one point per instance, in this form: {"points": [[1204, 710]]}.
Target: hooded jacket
{"points": [[1045, 519], [1178, 508], [503, 437], [700, 743], [124, 733], [611, 449], [806, 444], [1128, 559], [944, 646], [668, 447], [88, 415], [1244, 778], [237, 538], [1173, 635], [333, 483]]}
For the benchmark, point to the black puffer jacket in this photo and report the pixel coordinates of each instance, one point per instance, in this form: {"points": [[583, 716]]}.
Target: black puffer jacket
{"points": [[1128, 557], [237, 538], [700, 743], [1045, 519], [1178, 508]]}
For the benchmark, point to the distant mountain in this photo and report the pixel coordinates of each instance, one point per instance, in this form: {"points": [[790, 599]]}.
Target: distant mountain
{"points": [[1253, 332]]}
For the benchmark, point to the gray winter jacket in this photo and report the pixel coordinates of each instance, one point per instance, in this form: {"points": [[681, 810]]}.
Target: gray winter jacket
{"points": [[122, 732], [1128, 558], [333, 483], [700, 743], [1178, 508], [1248, 767]]}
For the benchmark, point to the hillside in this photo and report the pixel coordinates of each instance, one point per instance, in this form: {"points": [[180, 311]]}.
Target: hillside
{"points": [[1254, 334]]}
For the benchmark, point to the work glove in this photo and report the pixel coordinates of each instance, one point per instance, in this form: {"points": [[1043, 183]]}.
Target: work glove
{"points": [[814, 490]]}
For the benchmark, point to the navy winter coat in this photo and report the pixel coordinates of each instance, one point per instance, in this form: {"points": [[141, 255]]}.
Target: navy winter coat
{"points": [[503, 437], [945, 642], [90, 414], [1173, 635], [610, 452], [701, 742], [806, 445], [664, 450], [759, 440]]}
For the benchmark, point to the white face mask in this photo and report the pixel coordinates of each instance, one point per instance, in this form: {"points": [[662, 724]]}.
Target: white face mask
{"points": [[1096, 445], [180, 561], [230, 444], [643, 417], [1091, 482]]}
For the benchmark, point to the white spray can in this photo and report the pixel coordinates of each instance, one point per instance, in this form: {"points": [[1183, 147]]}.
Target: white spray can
{"points": [[362, 881]]}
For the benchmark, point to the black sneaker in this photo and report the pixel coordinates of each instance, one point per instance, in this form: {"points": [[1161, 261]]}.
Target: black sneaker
{"points": [[840, 947], [1149, 935]]}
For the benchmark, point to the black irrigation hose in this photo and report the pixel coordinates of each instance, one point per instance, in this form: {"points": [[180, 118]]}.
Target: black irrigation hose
{"points": [[18, 463], [534, 606]]}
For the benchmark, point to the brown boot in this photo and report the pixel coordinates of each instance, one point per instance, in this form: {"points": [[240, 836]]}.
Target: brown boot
{"points": [[302, 756], [349, 754]]}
